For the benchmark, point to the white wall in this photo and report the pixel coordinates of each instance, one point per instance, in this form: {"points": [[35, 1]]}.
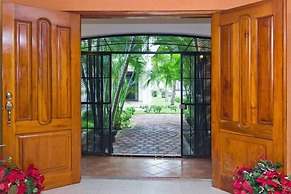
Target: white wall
{"points": [[185, 26]]}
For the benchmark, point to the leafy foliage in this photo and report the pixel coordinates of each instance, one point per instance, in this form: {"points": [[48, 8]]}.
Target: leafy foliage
{"points": [[14, 180], [126, 116], [262, 178]]}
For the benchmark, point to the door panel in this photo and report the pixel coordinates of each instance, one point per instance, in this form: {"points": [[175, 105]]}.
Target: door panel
{"points": [[41, 69], [46, 158], [247, 93]]}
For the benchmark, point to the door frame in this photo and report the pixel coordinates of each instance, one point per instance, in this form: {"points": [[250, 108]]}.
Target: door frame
{"points": [[197, 14], [147, 14], [208, 14]]}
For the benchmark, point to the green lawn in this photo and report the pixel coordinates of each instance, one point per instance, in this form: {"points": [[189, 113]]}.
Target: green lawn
{"points": [[159, 106]]}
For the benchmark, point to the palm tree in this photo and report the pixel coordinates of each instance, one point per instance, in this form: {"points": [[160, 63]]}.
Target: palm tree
{"points": [[166, 69], [123, 86]]}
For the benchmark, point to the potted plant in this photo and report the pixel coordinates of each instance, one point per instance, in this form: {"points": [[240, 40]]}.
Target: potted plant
{"points": [[261, 178], [14, 180]]}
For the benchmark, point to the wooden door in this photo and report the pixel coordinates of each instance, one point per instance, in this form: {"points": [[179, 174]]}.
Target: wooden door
{"points": [[41, 71], [247, 87]]}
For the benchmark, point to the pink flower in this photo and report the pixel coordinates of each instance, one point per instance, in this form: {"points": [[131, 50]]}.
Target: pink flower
{"points": [[2, 186]]}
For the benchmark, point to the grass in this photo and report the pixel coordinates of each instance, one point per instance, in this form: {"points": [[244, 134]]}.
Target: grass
{"points": [[158, 102]]}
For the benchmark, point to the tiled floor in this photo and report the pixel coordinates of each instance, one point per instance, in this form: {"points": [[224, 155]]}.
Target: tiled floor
{"points": [[139, 186], [145, 167], [142, 175]]}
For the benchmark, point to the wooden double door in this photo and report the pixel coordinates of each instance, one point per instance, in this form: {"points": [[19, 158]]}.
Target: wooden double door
{"points": [[41, 71]]}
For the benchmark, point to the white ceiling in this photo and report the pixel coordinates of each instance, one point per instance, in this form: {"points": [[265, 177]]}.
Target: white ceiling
{"points": [[183, 26]]}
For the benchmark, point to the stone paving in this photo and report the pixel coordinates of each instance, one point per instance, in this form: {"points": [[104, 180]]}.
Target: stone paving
{"points": [[150, 135]]}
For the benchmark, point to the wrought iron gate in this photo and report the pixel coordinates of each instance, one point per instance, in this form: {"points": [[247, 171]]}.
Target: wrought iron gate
{"points": [[96, 103], [195, 104]]}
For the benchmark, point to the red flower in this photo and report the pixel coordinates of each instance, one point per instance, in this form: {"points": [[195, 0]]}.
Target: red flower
{"points": [[285, 182], [237, 184], [263, 177], [247, 187], [2, 172], [2, 186], [21, 188], [21, 179], [272, 174], [277, 192], [272, 183], [261, 180]]}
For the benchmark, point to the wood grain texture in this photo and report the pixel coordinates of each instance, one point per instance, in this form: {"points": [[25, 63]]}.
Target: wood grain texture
{"points": [[265, 71], [286, 83], [44, 71], [41, 57], [245, 34], [23, 70], [226, 72], [50, 152], [64, 93], [256, 74]]}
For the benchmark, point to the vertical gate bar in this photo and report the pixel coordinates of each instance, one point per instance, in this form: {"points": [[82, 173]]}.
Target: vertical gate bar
{"points": [[87, 140], [109, 111], [93, 101], [196, 105], [181, 102], [101, 102]]}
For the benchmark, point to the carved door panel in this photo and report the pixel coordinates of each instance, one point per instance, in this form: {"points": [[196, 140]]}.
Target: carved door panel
{"points": [[41, 71], [247, 92]]}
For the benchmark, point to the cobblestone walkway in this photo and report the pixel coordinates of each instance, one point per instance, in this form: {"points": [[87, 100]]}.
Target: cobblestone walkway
{"points": [[150, 135]]}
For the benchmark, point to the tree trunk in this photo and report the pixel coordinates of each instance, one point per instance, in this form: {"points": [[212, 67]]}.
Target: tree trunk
{"points": [[121, 81], [173, 92]]}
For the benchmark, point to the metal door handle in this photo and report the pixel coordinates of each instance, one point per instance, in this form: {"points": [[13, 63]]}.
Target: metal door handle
{"points": [[9, 107]]}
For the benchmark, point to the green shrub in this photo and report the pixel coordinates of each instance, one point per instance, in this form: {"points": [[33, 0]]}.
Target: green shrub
{"points": [[177, 99], [156, 108], [173, 107], [154, 93], [126, 116], [163, 93], [187, 116], [146, 108]]}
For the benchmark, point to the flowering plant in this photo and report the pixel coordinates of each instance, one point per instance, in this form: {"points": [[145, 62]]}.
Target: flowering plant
{"points": [[14, 180], [261, 177]]}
